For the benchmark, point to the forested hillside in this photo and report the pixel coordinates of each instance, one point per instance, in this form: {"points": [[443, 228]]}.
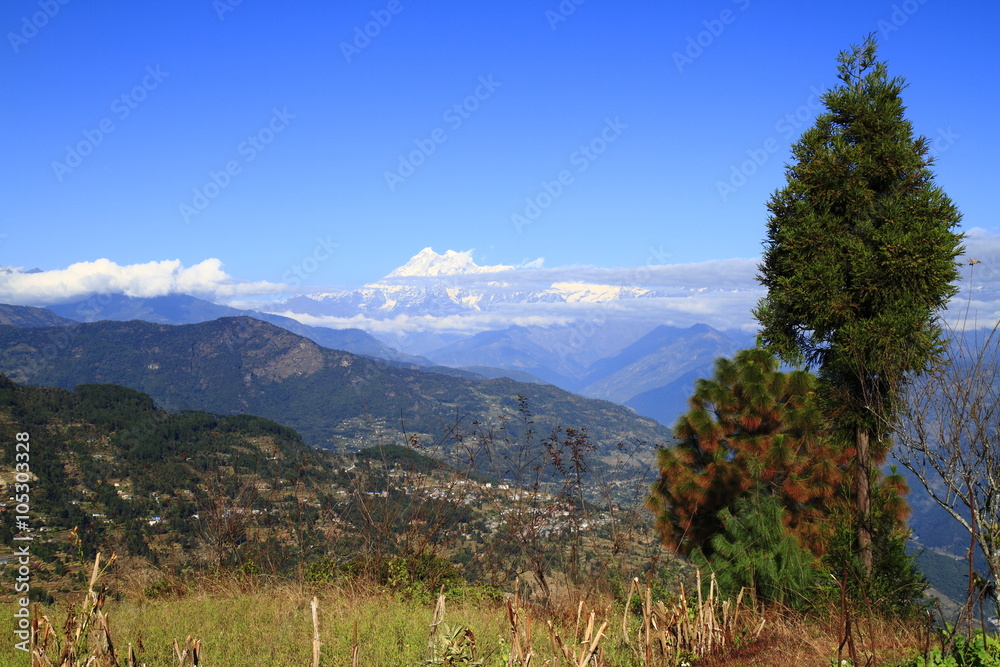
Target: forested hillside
{"points": [[335, 399]]}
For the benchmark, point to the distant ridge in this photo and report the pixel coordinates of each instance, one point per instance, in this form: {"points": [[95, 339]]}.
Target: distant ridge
{"points": [[654, 374], [28, 316], [185, 309], [335, 399]]}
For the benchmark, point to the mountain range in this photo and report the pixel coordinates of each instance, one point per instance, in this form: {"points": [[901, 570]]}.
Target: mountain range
{"points": [[347, 388], [335, 399], [452, 283], [578, 332], [185, 309], [653, 374]]}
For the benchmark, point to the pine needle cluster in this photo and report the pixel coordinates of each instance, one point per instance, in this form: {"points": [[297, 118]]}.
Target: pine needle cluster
{"points": [[751, 429]]}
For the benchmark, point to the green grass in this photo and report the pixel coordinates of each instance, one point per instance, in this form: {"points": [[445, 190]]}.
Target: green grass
{"points": [[275, 627]]}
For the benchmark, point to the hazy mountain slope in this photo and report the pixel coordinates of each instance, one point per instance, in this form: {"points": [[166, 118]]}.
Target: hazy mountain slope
{"points": [[27, 316], [667, 403], [650, 372], [656, 360], [171, 309], [184, 309], [512, 349]]}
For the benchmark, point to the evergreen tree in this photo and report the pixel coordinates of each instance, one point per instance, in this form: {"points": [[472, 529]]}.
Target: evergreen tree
{"points": [[751, 430], [896, 587], [859, 258], [753, 551]]}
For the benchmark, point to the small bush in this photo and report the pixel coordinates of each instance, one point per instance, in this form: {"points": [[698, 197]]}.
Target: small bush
{"points": [[979, 651], [756, 553], [36, 594]]}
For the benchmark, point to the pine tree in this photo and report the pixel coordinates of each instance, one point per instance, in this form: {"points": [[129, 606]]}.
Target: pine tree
{"points": [[753, 551], [859, 258], [751, 430]]}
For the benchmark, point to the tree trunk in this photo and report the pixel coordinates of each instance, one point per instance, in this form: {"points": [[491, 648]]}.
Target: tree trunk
{"points": [[862, 443]]}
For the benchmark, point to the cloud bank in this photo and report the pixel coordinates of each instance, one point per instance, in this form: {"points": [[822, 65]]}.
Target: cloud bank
{"points": [[85, 279], [720, 293], [721, 309]]}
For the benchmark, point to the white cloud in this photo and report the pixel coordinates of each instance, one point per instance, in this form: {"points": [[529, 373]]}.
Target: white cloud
{"points": [[722, 309], [720, 293], [466, 324], [85, 279]]}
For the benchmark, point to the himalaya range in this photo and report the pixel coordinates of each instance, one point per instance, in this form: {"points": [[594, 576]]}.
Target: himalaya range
{"points": [[433, 285], [633, 337]]}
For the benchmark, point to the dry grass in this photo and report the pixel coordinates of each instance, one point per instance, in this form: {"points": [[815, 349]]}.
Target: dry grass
{"points": [[687, 627], [791, 640], [250, 622]]}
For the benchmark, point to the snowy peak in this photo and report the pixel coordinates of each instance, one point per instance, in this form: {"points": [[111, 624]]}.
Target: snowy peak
{"points": [[432, 285], [577, 292], [429, 263]]}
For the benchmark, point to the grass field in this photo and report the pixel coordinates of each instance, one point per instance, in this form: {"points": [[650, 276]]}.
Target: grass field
{"points": [[241, 625]]}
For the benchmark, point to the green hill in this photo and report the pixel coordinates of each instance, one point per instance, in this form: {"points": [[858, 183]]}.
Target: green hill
{"points": [[335, 399], [124, 476], [195, 490]]}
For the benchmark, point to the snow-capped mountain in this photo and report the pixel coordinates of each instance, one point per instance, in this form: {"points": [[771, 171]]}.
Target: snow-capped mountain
{"points": [[634, 335], [429, 263], [432, 284]]}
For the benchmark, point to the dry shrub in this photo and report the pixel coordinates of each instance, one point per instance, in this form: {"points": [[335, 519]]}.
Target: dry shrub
{"points": [[790, 639], [687, 628]]}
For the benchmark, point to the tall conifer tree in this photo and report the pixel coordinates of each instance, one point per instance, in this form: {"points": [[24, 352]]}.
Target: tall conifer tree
{"points": [[859, 258]]}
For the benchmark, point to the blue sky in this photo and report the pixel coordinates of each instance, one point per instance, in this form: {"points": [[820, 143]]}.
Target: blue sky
{"points": [[261, 134]]}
